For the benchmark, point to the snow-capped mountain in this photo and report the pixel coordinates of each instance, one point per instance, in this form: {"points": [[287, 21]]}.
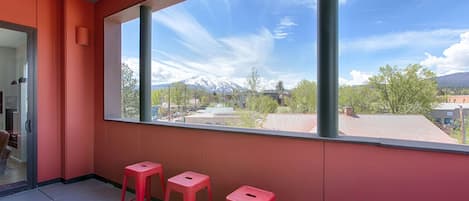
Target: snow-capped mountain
{"points": [[212, 83], [164, 75], [209, 83]]}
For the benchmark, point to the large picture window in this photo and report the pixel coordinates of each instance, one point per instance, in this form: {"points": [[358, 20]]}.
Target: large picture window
{"points": [[254, 65]]}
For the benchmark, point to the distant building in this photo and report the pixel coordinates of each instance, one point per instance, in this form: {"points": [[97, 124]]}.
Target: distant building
{"points": [[458, 99], [276, 95], [404, 127], [214, 115], [448, 113]]}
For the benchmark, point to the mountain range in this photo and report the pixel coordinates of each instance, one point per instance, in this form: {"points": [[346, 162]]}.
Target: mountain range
{"points": [[456, 80], [207, 83]]}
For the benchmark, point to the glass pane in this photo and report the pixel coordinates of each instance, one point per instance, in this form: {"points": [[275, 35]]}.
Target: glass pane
{"points": [[403, 69], [249, 64], [13, 106], [130, 70]]}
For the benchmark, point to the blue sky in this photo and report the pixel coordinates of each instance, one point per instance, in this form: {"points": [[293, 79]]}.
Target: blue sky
{"points": [[226, 38]]}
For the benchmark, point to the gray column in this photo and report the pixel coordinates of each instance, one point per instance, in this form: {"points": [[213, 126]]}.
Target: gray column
{"points": [[145, 63], [327, 68]]}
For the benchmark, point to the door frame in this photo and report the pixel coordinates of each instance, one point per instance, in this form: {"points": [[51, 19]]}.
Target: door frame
{"points": [[31, 48]]}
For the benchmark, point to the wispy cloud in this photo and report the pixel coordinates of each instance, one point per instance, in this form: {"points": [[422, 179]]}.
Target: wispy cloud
{"points": [[284, 27], [455, 58], [409, 39], [228, 57], [357, 78]]}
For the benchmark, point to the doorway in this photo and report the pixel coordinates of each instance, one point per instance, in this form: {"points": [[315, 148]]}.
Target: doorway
{"points": [[17, 108]]}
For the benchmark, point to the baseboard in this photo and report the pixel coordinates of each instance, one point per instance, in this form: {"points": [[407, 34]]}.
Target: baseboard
{"points": [[78, 179], [49, 182]]}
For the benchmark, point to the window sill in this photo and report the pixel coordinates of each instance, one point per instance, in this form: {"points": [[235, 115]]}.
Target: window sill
{"points": [[382, 142]]}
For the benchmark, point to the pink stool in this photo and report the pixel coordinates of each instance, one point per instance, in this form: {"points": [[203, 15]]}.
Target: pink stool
{"points": [[188, 183], [249, 193], [142, 172]]}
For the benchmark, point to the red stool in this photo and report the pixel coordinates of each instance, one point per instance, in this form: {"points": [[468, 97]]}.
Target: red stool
{"points": [[188, 183], [249, 193], [142, 172]]}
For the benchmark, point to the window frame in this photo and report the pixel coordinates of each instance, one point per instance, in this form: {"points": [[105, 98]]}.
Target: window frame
{"points": [[327, 115]]}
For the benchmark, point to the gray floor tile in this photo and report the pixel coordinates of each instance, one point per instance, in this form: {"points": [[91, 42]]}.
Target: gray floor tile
{"points": [[87, 190], [90, 190], [31, 195]]}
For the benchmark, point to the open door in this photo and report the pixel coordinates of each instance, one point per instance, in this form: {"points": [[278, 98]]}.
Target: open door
{"points": [[17, 108]]}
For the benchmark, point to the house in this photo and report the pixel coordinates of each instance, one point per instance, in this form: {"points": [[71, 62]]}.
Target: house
{"points": [[389, 126], [447, 113], [457, 99]]}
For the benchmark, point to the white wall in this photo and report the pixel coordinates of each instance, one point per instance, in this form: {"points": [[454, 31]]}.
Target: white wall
{"points": [[7, 74]]}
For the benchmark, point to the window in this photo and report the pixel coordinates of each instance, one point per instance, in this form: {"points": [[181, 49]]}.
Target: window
{"points": [[122, 67], [252, 64], [212, 65], [399, 63]]}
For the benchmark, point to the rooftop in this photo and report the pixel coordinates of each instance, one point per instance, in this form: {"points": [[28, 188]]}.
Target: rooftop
{"points": [[411, 127]]}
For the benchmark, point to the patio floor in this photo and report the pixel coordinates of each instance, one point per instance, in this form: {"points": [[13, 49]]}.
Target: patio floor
{"points": [[90, 189]]}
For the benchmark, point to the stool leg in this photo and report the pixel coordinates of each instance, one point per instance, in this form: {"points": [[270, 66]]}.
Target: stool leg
{"points": [[148, 188], [124, 188], [209, 191], [167, 193], [140, 188], [162, 183], [189, 196]]}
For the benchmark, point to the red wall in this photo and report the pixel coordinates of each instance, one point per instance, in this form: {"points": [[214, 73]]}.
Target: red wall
{"points": [[65, 83], [49, 45], [79, 91], [294, 169]]}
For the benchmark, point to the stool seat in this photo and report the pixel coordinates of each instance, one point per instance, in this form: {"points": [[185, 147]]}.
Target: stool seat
{"points": [[249, 193], [142, 172], [189, 180], [188, 183], [145, 168]]}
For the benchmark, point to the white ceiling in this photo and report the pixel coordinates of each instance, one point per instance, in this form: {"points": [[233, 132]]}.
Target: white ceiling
{"points": [[10, 38]]}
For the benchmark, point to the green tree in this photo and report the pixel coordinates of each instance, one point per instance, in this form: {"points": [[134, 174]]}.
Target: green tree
{"points": [[253, 81], [412, 90], [280, 90], [303, 98], [157, 96], [129, 93], [262, 104], [363, 99]]}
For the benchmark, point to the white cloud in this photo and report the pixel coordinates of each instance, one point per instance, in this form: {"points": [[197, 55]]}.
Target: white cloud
{"points": [[358, 78], [230, 57], [284, 27], [408, 39], [454, 59]]}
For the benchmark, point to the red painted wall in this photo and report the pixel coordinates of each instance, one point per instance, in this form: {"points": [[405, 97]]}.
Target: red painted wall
{"points": [[22, 12], [65, 83], [49, 87], [79, 91], [369, 173], [294, 169]]}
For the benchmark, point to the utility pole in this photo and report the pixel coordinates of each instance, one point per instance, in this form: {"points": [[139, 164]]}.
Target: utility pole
{"points": [[463, 128], [169, 103]]}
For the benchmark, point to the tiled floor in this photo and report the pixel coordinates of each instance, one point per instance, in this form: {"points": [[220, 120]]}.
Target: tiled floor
{"points": [[14, 172], [90, 190]]}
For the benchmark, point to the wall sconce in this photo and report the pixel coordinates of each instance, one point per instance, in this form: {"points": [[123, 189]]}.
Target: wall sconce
{"points": [[82, 36]]}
